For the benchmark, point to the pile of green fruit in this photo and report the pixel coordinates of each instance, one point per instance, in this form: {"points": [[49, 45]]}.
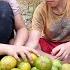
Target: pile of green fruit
{"points": [[39, 63]]}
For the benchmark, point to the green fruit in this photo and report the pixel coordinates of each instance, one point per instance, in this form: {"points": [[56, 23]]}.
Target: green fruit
{"points": [[34, 68], [58, 64], [34, 57], [0, 65], [8, 62], [66, 67], [24, 66], [21, 60], [43, 63], [15, 69], [54, 68]]}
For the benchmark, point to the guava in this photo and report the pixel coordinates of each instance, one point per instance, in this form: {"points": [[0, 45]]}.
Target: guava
{"points": [[58, 64], [34, 68], [24, 66], [43, 63], [15, 69], [54, 68], [66, 67], [8, 62]]}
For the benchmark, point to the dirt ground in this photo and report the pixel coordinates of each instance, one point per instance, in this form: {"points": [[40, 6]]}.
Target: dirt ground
{"points": [[27, 8]]}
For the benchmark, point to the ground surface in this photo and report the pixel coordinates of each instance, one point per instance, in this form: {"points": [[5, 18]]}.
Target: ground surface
{"points": [[27, 8]]}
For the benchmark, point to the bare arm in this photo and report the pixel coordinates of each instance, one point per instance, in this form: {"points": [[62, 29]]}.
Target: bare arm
{"points": [[33, 39], [4, 48], [22, 33], [33, 43]]}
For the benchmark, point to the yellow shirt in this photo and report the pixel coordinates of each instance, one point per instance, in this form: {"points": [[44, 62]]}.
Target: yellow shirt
{"points": [[56, 27]]}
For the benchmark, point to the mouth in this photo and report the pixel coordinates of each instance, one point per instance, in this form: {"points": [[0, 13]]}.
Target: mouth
{"points": [[50, 1]]}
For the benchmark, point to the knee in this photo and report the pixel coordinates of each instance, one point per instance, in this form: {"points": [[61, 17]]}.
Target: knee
{"points": [[5, 9]]}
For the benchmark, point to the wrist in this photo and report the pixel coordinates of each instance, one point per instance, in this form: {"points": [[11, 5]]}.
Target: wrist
{"points": [[3, 49], [31, 46], [7, 49], [68, 43]]}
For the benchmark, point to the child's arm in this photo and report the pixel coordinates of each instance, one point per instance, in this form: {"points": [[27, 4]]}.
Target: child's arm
{"points": [[33, 43], [33, 39], [16, 51]]}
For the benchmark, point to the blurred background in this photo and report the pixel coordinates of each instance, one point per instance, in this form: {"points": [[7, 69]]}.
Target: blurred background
{"points": [[27, 8]]}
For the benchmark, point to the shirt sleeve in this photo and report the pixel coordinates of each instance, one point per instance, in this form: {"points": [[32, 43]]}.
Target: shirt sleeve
{"points": [[15, 6], [37, 21]]}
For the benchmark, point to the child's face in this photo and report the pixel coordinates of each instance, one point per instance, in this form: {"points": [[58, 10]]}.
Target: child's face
{"points": [[52, 3]]}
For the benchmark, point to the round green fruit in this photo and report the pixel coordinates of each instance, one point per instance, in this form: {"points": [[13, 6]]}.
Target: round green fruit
{"points": [[24, 66], [54, 68], [58, 64], [15, 69], [8, 62], [21, 60], [43, 63], [66, 67], [34, 57], [0, 65], [34, 68]]}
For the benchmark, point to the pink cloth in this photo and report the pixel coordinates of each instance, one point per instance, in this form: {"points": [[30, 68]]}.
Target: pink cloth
{"points": [[14, 5]]}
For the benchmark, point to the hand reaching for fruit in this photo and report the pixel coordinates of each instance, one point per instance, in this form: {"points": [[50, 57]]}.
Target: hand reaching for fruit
{"points": [[21, 52], [41, 63]]}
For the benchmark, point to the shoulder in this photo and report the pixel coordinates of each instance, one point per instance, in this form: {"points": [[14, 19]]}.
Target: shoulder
{"points": [[68, 8], [41, 7], [14, 5]]}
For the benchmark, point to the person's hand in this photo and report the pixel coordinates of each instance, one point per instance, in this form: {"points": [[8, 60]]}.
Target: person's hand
{"points": [[45, 54], [21, 52], [62, 51]]}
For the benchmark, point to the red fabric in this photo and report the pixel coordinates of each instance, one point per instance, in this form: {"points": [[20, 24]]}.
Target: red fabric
{"points": [[47, 46]]}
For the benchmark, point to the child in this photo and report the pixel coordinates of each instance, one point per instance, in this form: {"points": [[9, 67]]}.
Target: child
{"points": [[52, 17]]}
